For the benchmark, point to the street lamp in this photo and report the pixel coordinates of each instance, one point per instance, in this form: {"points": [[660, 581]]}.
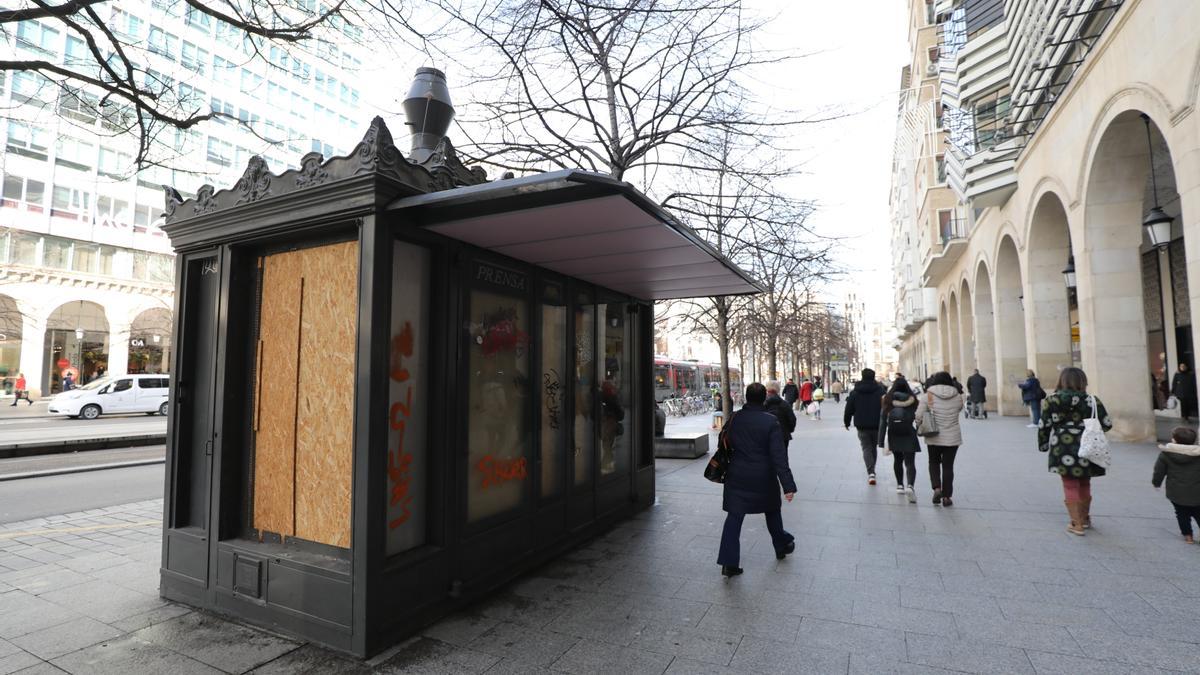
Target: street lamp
{"points": [[1156, 223], [1069, 272]]}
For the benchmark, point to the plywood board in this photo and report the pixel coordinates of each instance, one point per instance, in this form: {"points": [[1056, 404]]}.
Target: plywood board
{"points": [[325, 425], [274, 439]]}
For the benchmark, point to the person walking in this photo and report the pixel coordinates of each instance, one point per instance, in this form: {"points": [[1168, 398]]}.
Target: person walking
{"points": [[946, 403], [1059, 435], [20, 390], [1032, 395], [818, 397], [758, 470], [1179, 465], [68, 381], [782, 410], [791, 393], [836, 389], [1183, 388], [899, 436], [977, 394], [864, 408], [806, 390]]}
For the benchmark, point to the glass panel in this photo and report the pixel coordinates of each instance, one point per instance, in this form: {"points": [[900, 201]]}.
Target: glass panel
{"points": [[554, 371], [497, 395], [614, 389], [585, 374], [408, 416], [85, 258], [23, 248], [56, 252]]}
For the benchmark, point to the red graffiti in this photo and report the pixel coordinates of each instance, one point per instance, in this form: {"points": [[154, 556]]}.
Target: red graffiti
{"points": [[399, 461], [497, 471]]}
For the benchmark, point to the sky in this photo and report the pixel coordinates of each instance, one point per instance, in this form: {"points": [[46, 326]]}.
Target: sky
{"points": [[854, 54]]}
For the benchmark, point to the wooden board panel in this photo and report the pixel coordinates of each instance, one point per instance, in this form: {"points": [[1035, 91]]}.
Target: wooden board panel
{"points": [[274, 439], [324, 432]]}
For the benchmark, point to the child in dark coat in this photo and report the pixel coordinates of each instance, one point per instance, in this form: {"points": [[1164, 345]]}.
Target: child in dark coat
{"points": [[1179, 464]]}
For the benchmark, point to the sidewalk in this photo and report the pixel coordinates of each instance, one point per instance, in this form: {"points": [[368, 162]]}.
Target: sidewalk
{"points": [[877, 585]]}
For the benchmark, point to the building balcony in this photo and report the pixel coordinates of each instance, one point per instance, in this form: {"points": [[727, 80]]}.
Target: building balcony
{"points": [[952, 241], [987, 178]]}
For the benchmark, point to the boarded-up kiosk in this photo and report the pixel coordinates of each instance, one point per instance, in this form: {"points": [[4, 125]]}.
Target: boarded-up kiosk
{"points": [[398, 386]]}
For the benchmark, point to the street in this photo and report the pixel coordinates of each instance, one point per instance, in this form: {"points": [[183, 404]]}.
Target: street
{"points": [[31, 424], [876, 585]]}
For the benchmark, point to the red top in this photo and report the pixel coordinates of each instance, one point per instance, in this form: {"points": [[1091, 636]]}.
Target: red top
{"points": [[20, 384], [806, 390]]}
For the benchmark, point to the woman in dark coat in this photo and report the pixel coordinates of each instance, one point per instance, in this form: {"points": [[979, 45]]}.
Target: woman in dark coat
{"points": [[757, 470], [1183, 387], [898, 432], [1059, 435]]}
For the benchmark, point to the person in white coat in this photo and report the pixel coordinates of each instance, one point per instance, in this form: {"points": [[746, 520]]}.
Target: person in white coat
{"points": [[946, 402]]}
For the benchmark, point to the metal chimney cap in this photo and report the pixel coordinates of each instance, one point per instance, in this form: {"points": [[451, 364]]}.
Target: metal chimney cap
{"points": [[426, 70]]}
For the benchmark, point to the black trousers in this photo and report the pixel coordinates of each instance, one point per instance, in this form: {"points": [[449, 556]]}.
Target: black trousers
{"points": [[941, 468], [902, 462], [730, 553], [1185, 515]]}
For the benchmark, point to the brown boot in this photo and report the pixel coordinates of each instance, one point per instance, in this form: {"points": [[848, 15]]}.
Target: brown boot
{"points": [[1075, 511], [1085, 508]]}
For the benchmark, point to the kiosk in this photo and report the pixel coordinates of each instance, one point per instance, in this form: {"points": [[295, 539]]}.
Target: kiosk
{"points": [[398, 385]]}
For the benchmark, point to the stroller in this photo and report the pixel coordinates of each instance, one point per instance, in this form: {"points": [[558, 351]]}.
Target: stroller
{"points": [[974, 411]]}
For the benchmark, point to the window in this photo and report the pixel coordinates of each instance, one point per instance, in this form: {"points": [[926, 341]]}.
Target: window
{"points": [[152, 383], [498, 441], [191, 97], [163, 43], [250, 82], [77, 52], [169, 7], [248, 118], [158, 82], [301, 70], [22, 248], [141, 265], [941, 168], [27, 139], [70, 199], [194, 58], [122, 385], [408, 421], [116, 116], [224, 71], [584, 381], [37, 37], [56, 252], [31, 192], [75, 153], [127, 24], [198, 20], [115, 164], [27, 85], [85, 258], [552, 386], [112, 208], [78, 105], [616, 390], [227, 33], [107, 253], [162, 269], [220, 152], [223, 108]]}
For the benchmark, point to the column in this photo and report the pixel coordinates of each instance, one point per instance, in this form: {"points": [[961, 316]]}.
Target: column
{"points": [[33, 347]]}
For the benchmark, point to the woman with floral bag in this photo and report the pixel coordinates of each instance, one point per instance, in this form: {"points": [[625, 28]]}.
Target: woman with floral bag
{"points": [[1064, 417]]}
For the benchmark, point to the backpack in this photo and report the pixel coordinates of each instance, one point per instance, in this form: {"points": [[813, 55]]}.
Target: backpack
{"points": [[818, 394], [898, 423]]}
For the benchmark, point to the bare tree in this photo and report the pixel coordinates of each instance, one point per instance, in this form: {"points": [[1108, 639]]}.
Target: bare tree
{"points": [[107, 77]]}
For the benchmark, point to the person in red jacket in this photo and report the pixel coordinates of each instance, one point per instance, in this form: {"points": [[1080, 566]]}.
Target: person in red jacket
{"points": [[806, 390], [21, 391]]}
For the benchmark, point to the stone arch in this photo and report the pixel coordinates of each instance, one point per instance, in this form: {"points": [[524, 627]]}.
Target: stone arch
{"points": [[966, 319], [1009, 320], [77, 340], [1133, 299], [150, 341], [953, 358], [1049, 311], [985, 326]]}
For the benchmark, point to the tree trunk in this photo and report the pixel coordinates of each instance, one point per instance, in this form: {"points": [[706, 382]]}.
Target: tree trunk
{"points": [[723, 347]]}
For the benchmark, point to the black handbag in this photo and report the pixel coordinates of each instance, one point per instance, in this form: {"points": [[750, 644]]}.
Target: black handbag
{"points": [[718, 465]]}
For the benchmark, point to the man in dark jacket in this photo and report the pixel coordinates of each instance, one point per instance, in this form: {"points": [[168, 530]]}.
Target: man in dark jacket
{"points": [[863, 406], [791, 392], [977, 394], [758, 469], [782, 410]]}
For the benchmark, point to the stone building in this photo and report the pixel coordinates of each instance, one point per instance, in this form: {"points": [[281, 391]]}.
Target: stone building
{"points": [[1072, 149]]}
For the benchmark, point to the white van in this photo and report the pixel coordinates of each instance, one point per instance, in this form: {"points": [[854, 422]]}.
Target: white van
{"points": [[116, 394]]}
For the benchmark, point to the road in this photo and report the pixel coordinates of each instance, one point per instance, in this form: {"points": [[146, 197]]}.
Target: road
{"points": [[51, 495], [31, 423]]}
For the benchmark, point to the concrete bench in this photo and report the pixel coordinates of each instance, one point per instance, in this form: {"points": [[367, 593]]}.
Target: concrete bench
{"points": [[681, 446]]}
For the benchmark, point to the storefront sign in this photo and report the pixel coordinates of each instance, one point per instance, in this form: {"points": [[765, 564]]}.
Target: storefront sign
{"points": [[500, 276], [63, 364], [137, 342]]}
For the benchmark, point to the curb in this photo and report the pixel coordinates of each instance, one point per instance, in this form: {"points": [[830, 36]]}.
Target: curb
{"points": [[79, 469], [105, 443]]}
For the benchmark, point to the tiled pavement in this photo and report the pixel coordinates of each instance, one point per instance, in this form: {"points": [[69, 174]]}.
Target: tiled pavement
{"points": [[992, 585]]}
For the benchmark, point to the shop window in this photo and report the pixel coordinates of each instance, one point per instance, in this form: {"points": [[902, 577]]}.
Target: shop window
{"points": [[585, 381], [497, 393], [615, 390], [408, 409], [56, 253], [553, 389]]}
